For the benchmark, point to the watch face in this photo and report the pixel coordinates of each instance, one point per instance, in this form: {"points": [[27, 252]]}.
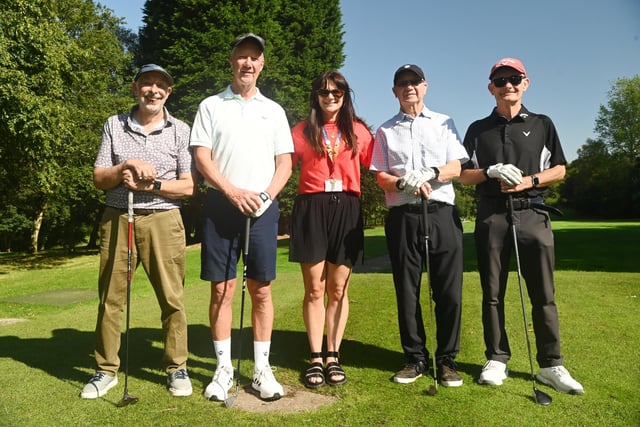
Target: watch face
{"points": [[157, 185]]}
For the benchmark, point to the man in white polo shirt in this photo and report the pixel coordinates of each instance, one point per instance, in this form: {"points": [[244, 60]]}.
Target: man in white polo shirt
{"points": [[242, 147]]}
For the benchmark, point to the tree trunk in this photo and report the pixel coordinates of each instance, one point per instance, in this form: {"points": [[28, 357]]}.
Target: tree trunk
{"points": [[35, 232]]}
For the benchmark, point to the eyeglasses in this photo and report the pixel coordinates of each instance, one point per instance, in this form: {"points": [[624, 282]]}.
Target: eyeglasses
{"points": [[405, 83], [337, 93], [502, 81]]}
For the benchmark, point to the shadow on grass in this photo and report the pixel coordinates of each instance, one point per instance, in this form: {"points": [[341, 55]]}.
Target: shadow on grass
{"points": [[50, 258], [68, 353]]}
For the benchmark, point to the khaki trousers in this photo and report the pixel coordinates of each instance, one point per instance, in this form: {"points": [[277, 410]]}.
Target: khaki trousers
{"points": [[159, 245]]}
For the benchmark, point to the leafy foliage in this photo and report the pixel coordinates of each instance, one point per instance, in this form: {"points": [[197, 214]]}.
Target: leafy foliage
{"points": [[192, 39], [62, 71], [604, 180]]}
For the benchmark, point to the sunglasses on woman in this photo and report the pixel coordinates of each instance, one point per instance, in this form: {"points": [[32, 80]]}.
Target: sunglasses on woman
{"points": [[337, 93]]}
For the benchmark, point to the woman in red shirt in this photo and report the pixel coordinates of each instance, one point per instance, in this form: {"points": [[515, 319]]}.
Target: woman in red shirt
{"points": [[327, 236]]}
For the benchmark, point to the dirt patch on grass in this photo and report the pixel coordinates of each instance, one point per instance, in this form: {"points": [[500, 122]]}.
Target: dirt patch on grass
{"points": [[10, 321], [294, 400]]}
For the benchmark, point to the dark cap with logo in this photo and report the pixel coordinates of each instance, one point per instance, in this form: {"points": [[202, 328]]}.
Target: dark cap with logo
{"points": [[147, 68], [257, 40], [408, 67]]}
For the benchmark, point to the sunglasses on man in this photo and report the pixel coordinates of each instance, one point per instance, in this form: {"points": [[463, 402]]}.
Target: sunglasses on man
{"points": [[502, 81]]}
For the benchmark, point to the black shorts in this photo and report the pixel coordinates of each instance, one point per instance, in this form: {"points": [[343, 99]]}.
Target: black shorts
{"points": [[326, 226]]}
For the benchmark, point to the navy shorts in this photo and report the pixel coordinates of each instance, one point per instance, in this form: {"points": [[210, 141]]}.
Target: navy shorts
{"points": [[223, 232], [326, 226]]}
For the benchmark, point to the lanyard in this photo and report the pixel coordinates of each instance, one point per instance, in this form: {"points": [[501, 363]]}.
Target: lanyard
{"points": [[332, 150]]}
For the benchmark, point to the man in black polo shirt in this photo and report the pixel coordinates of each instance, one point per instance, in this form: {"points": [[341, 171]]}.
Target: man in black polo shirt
{"points": [[516, 152]]}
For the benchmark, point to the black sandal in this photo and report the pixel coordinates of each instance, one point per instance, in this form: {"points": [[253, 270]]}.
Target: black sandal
{"points": [[314, 372], [333, 369]]}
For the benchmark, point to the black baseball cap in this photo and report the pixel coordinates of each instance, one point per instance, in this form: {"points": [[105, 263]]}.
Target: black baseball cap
{"points": [[147, 68], [408, 67], [259, 41]]}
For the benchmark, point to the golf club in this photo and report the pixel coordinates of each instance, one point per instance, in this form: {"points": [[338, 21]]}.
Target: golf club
{"points": [[230, 400], [126, 397], [433, 389], [541, 398]]}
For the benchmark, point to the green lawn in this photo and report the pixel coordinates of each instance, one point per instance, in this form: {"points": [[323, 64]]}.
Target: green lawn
{"points": [[46, 359]]}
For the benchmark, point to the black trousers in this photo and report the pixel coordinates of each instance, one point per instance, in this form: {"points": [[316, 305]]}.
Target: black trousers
{"points": [[405, 242], [494, 245]]}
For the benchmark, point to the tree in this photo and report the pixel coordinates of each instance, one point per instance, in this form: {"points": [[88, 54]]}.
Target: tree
{"points": [[62, 68], [604, 180], [618, 124], [192, 39]]}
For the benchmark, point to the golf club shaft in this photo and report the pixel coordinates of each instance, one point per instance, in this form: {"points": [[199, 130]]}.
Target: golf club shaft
{"points": [[540, 397], [245, 253], [432, 328], [129, 274]]}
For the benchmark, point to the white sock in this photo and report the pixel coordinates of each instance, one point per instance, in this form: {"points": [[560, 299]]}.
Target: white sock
{"points": [[261, 353], [223, 351]]}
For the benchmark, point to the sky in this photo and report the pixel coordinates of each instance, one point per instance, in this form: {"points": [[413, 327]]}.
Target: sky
{"points": [[573, 51]]}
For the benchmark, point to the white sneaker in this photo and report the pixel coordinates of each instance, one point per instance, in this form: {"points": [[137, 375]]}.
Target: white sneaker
{"points": [[99, 384], [266, 384], [220, 385], [560, 379], [493, 373], [179, 383]]}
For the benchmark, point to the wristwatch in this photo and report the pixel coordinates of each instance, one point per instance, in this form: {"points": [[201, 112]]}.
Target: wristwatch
{"points": [[156, 185], [535, 181]]}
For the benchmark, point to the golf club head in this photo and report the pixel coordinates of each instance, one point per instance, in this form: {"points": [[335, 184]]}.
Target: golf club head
{"points": [[432, 391], [542, 398], [230, 401], [127, 399]]}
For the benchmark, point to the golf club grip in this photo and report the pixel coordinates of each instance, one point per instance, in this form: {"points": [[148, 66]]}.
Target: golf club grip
{"points": [[246, 238], [130, 205]]}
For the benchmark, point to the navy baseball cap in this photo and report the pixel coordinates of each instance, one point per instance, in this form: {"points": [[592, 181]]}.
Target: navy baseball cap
{"points": [[408, 67], [259, 41], [147, 68]]}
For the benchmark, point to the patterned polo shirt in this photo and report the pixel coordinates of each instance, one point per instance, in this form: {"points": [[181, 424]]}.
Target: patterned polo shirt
{"points": [[166, 147]]}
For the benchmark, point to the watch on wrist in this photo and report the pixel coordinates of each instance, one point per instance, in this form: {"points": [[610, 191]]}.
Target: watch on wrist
{"points": [[264, 196], [156, 185], [437, 172], [535, 180]]}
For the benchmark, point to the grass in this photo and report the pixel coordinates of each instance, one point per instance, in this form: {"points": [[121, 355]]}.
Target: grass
{"points": [[47, 359]]}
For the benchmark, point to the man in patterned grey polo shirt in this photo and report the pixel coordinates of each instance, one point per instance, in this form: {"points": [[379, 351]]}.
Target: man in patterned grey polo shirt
{"points": [[145, 151]]}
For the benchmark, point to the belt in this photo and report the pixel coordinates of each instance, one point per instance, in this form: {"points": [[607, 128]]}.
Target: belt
{"points": [[417, 207], [144, 211], [532, 203]]}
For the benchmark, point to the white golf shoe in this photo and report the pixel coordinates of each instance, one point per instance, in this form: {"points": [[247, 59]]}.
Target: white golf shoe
{"points": [[265, 383], [218, 388], [559, 378], [493, 373]]}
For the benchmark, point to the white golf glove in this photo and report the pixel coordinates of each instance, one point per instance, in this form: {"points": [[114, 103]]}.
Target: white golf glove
{"points": [[428, 173], [413, 180], [508, 173], [266, 202]]}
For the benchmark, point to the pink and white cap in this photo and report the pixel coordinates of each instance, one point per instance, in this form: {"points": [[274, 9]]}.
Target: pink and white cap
{"points": [[514, 63]]}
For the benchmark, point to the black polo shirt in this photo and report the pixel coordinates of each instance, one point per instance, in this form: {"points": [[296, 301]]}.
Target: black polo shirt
{"points": [[529, 141]]}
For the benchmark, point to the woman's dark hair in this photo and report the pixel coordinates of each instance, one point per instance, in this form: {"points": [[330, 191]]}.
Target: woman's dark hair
{"points": [[346, 115]]}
